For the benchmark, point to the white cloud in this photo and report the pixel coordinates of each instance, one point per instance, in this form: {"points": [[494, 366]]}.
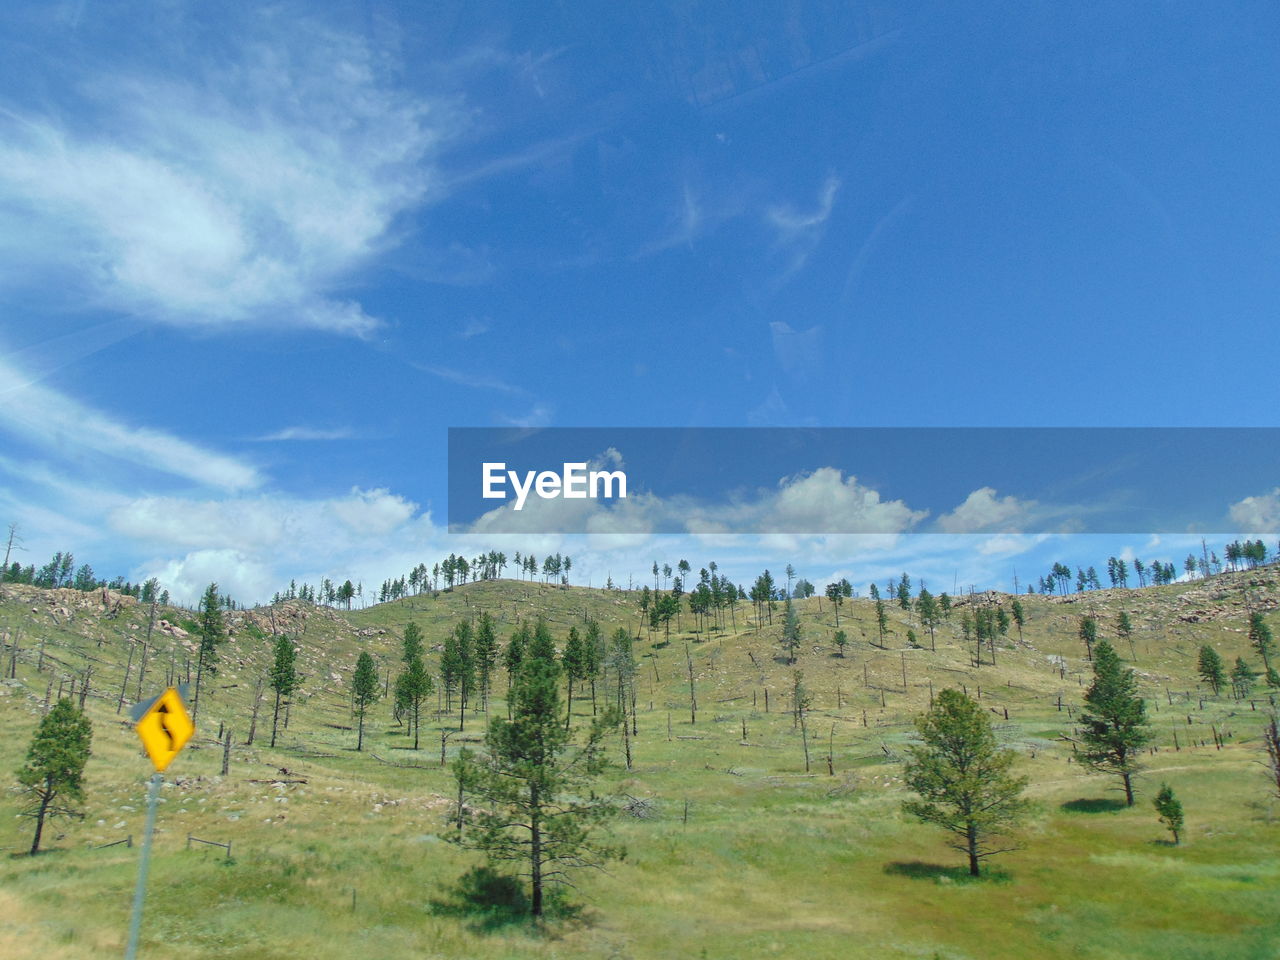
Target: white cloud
{"points": [[474, 327], [287, 525], [825, 500], [67, 426], [1008, 545], [253, 546], [800, 232], [538, 415], [1259, 514], [985, 511], [373, 513], [475, 381], [236, 573], [307, 433], [790, 222], [248, 191], [821, 502]]}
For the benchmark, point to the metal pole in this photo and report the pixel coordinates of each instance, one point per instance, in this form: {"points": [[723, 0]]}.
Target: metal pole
{"points": [[135, 922]]}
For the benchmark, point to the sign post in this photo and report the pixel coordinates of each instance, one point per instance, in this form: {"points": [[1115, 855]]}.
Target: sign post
{"points": [[164, 726]]}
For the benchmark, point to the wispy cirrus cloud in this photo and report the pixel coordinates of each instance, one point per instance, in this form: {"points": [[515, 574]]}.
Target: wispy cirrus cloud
{"points": [[249, 189], [792, 223], [306, 433], [52, 420], [538, 415], [476, 381], [474, 327], [799, 232]]}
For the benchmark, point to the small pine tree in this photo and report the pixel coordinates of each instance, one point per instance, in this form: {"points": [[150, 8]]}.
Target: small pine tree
{"points": [[284, 678], [52, 778], [882, 616], [486, 654], [1089, 634], [1211, 668], [212, 632], [1242, 677], [413, 686], [1261, 637], [963, 777], [364, 691], [1124, 626], [930, 614], [1169, 810], [536, 808], [514, 655], [790, 632], [411, 645], [574, 661], [1115, 724], [841, 640]]}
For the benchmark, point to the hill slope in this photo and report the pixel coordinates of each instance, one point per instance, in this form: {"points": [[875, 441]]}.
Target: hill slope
{"points": [[737, 849]]}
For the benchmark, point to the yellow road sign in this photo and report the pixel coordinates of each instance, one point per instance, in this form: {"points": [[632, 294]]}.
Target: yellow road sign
{"points": [[165, 728]]}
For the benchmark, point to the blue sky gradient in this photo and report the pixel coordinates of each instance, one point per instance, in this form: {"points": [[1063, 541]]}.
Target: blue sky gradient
{"points": [[256, 262]]}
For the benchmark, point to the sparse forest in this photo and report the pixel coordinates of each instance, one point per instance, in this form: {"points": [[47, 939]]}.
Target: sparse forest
{"points": [[485, 756]]}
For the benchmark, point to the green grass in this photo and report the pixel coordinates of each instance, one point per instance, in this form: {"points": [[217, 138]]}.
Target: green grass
{"points": [[772, 861]]}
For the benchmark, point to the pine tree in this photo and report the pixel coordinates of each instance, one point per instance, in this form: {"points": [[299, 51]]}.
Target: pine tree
{"points": [[1019, 616], [836, 596], [513, 656], [486, 652], [593, 648], [882, 616], [450, 668], [536, 807], [1115, 724], [458, 669], [841, 640], [1169, 810], [212, 633], [1242, 677], [413, 686], [1211, 668], [411, 646], [929, 614], [963, 777], [574, 661], [52, 778], [1124, 626], [283, 678], [364, 691], [1089, 634], [1261, 638], [790, 631]]}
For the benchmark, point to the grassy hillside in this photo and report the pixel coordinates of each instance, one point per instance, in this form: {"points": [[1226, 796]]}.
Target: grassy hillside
{"points": [[739, 853]]}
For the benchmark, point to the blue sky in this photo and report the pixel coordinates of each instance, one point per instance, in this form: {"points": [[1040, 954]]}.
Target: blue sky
{"points": [[254, 263]]}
